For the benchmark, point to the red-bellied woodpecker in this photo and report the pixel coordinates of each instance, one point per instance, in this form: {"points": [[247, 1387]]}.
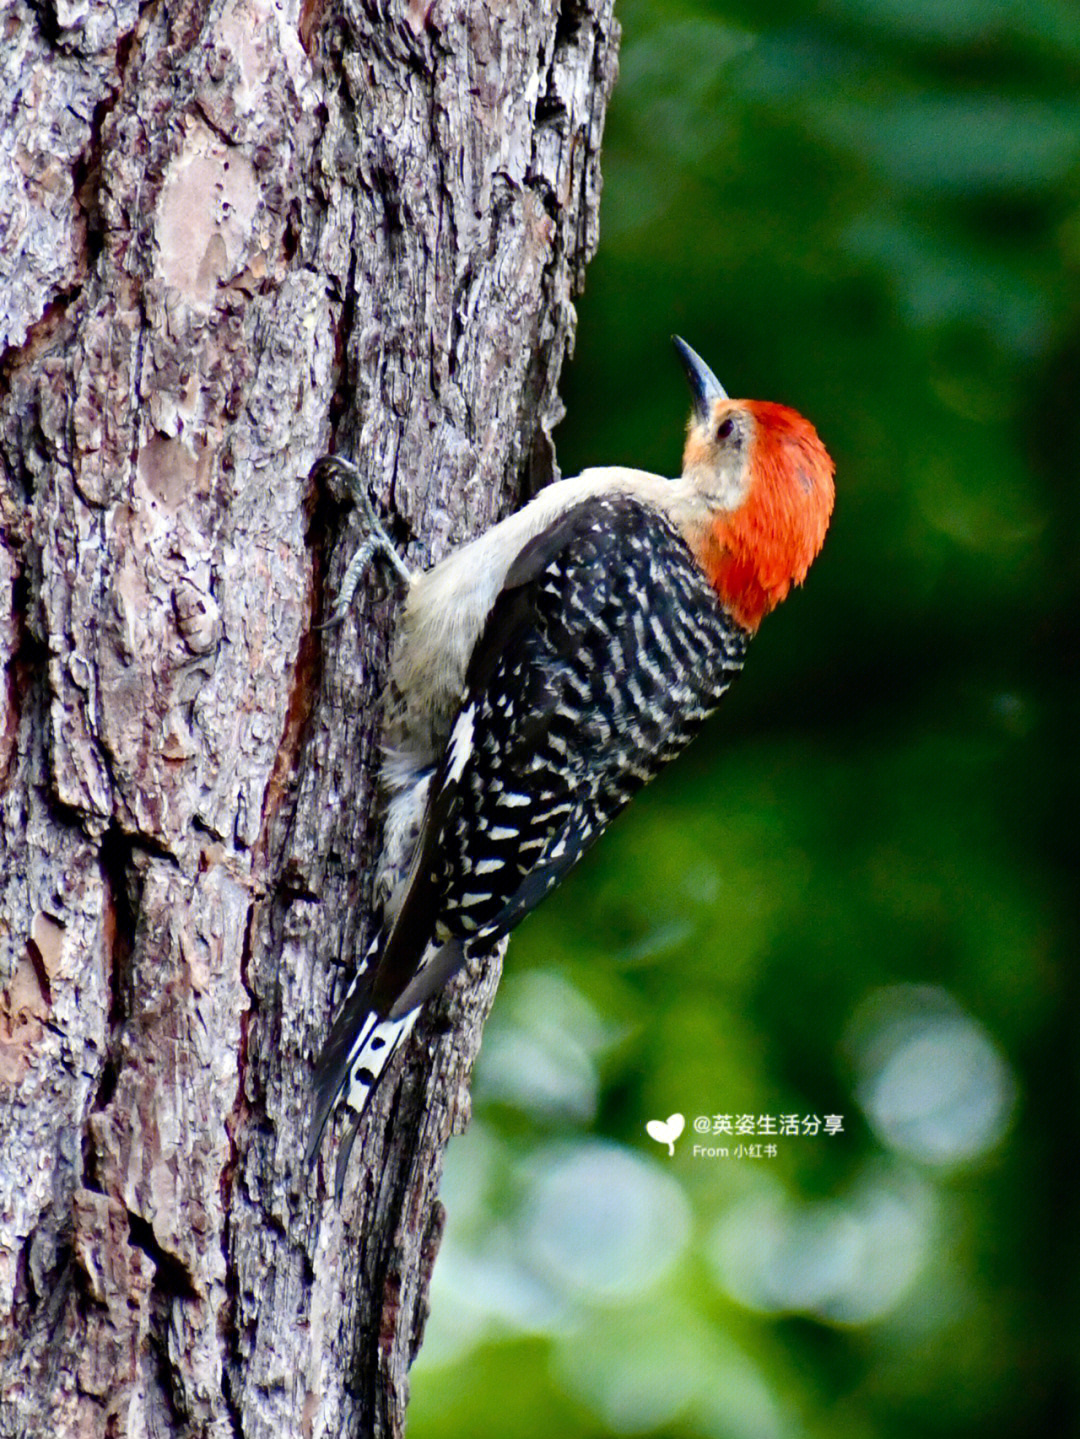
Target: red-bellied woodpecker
{"points": [[543, 673]]}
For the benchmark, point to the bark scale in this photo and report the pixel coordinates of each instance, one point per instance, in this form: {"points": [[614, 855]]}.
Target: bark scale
{"points": [[238, 233]]}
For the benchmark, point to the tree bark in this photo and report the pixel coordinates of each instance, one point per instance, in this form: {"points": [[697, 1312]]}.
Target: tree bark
{"points": [[238, 233]]}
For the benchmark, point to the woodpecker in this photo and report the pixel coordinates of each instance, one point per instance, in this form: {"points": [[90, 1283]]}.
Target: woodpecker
{"points": [[542, 674]]}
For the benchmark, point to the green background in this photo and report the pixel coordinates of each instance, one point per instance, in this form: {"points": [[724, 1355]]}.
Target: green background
{"points": [[855, 895]]}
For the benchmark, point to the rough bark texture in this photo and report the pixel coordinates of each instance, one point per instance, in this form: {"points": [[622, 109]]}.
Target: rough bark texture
{"points": [[234, 235]]}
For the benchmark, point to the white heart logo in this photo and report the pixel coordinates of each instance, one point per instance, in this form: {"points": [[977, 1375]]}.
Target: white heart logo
{"points": [[666, 1131]]}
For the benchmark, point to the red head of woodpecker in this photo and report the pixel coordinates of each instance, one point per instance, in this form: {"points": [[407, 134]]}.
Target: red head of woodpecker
{"points": [[768, 485]]}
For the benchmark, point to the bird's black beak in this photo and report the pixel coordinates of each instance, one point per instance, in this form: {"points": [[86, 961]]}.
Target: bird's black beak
{"points": [[704, 385]]}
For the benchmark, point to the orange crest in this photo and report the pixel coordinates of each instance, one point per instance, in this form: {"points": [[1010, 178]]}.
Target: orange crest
{"points": [[754, 555]]}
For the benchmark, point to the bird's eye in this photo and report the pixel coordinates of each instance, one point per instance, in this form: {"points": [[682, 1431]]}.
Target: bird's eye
{"points": [[725, 428]]}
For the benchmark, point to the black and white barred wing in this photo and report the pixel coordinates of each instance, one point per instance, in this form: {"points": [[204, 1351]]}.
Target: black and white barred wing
{"points": [[603, 655]]}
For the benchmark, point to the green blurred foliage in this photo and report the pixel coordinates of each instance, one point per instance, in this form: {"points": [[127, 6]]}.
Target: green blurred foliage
{"points": [[855, 895]]}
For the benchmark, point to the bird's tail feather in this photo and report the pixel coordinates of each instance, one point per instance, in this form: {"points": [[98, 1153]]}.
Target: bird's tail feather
{"points": [[375, 1045], [357, 1051], [333, 1063]]}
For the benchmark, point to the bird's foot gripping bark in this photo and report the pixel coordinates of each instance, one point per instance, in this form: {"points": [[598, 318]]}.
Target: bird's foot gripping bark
{"points": [[377, 544]]}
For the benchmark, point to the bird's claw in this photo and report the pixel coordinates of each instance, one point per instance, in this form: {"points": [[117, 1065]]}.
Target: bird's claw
{"points": [[377, 544]]}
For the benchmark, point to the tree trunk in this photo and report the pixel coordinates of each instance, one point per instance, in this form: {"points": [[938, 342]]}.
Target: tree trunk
{"points": [[235, 234]]}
